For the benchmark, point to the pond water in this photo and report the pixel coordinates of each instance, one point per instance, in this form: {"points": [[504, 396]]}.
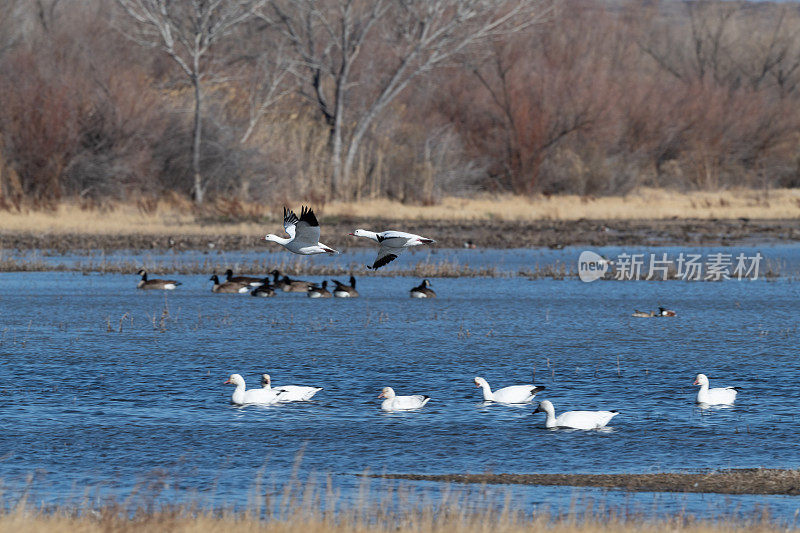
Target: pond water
{"points": [[96, 390]]}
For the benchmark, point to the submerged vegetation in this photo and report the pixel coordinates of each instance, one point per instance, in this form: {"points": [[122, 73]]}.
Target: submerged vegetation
{"points": [[557, 270]]}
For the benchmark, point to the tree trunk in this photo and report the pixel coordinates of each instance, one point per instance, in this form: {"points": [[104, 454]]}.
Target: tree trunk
{"points": [[198, 189]]}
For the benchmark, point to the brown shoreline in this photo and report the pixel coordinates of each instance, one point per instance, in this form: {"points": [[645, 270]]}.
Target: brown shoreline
{"points": [[735, 481], [451, 234]]}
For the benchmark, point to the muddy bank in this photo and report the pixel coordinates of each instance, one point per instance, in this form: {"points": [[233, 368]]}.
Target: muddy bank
{"points": [[450, 234], [737, 481]]}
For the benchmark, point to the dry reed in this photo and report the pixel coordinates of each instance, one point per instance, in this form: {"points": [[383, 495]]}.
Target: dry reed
{"points": [[304, 509], [170, 218]]}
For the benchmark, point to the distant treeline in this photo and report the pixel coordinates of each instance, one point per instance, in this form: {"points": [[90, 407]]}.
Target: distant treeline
{"points": [[409, 99]]}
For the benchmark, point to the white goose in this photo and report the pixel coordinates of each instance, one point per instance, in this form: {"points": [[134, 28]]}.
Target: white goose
{"points": [[512, 394], [392, 243], [717, 396], [241, 396], [303, 234], [574, 419], [394, 402], [289, 393]]}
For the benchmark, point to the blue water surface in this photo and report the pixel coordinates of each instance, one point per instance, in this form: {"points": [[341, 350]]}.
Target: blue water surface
{"points": [[109, 388]]}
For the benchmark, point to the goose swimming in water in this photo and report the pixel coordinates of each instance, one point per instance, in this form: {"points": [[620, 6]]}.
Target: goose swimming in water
{"points": [[163, 284], [574, 419], [401, 403], [242, 396], [512, 394], [264, 291], [253, 282], [290, 393], [392, 243], [423, 290], [303, 234], [286, 284], [229, 287], [345, 291], [716, 396], [319, 291]]}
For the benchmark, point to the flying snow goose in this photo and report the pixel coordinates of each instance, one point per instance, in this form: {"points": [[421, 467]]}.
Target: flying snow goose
{"points": [[303, 234], [717, 396], [290, 393], [319, 292], [286, 284], [228, 287], [512, 394], [253, 282], [401, 403], [423, 290], [264, 291], [574, 419], [345, 291], [241, 396], [392, 243], [163, 284]]}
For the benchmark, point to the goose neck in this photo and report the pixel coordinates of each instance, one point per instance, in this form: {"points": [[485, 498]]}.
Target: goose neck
{"points": [[487, 391]]}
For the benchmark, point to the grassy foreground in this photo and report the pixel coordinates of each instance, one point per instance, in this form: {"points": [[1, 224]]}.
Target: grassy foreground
{"points": [[174, 216], [110, 520]]}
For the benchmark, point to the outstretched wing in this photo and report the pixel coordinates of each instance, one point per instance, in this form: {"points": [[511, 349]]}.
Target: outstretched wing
{"points": [[386, 255], [307, 227], [290, 221]]}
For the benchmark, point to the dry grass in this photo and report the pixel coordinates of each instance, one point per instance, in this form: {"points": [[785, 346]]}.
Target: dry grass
{"points": [[415, 523], [645, 204], [170, 218], [307, 517]]}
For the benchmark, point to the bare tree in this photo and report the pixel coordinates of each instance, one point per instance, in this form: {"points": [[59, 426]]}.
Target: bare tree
{"points": [[187, 31], [395, 40]]}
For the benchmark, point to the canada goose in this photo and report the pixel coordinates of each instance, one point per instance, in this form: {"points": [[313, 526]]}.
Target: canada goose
{"points": [[319, 292], [642, 314], [228, 287], [163, 284], [253, 282], [662, 311], [264, 290], [422, 291], [392, 243], [344, 291], [303, 234], [287, 284]]}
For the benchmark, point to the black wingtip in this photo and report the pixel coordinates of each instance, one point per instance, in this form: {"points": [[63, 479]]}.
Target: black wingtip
{"points": [[614, 411], [385, 260], [538, 388]]}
